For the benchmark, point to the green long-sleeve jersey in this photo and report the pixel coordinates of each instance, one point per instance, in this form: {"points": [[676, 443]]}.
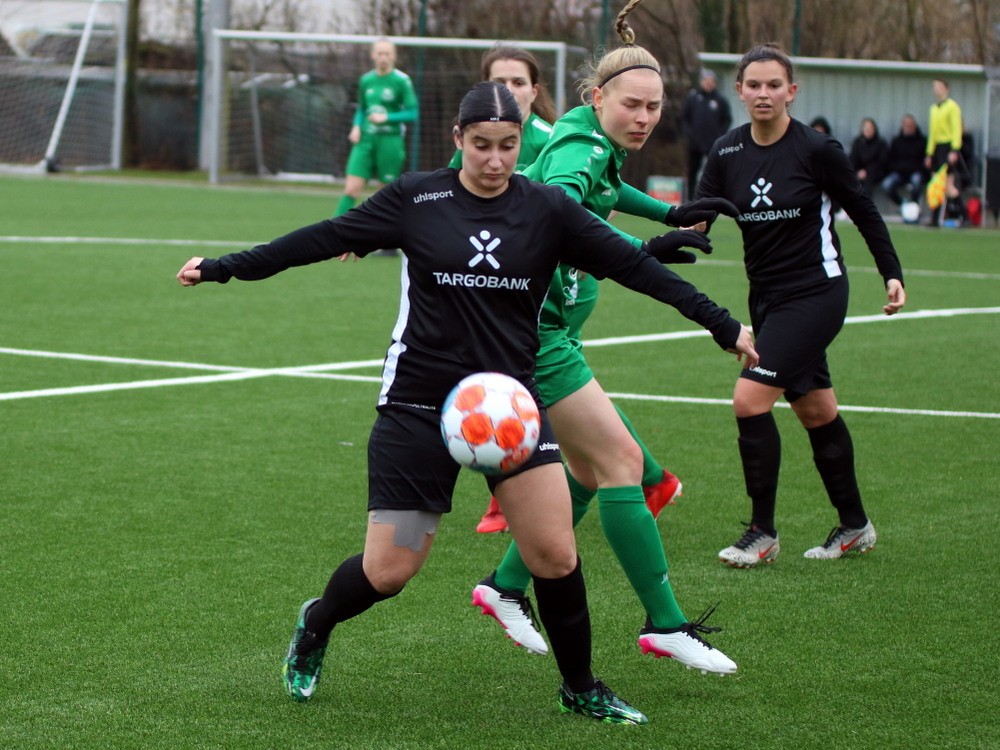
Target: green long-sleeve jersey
{"points": [[580, 158], [391, 93]]}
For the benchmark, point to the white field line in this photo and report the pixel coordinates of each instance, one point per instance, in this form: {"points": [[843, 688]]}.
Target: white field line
{"points": [[146, 242], [122, 241], [781, 404], [915, 315], [228, 373]]}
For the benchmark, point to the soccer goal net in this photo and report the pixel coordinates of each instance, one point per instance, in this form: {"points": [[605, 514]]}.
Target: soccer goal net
{"points": [[281, 105], [62, 74]]}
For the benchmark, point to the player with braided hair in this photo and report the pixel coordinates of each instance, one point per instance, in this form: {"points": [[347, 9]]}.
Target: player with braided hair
{"points": [[518, 69], [456, 319], [623, 96]]}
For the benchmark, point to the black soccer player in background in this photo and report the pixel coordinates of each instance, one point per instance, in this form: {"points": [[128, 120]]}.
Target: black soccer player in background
{"points": [[464, 310], [783, 175]]}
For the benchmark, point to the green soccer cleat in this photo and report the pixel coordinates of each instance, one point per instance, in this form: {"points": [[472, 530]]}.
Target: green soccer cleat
{"points": [[300, 671], [601, 704]]}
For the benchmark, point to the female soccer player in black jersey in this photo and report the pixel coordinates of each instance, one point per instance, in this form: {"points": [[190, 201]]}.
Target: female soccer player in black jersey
{"points": [[783, 176], [480, 246]]}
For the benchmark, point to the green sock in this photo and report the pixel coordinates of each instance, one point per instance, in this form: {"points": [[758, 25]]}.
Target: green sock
{"points": [[513, 574], [652, 472], [345, 205], [632, 533], [581, 497]]}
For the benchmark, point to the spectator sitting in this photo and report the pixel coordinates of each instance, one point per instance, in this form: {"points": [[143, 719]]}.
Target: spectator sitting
{"points": [[869, 154], [821, 124], [906, 162]]}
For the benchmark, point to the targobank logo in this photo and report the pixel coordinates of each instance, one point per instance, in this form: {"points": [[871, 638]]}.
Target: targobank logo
{"points": [[763, 203], [483, 251], [761, 189], [483, 245]]}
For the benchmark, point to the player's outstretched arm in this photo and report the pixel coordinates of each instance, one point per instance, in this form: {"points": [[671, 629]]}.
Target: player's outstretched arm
{"points": [[189, 275], [896, 295], [701, 210], [666, 248], [744, 350]]}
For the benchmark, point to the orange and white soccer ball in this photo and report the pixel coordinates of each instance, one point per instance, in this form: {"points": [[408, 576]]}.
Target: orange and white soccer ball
{"points": [[490, 423]]}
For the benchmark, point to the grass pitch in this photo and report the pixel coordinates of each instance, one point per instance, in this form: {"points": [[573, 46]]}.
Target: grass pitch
{"points": [[170, 499]]}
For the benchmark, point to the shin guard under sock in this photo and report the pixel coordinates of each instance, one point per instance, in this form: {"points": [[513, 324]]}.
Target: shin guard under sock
{"points": [[347, 595], [562, 608], [760, 451], [833, 454], [635, 539]]}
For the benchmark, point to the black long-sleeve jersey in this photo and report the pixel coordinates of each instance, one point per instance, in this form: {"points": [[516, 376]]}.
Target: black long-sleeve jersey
{"points": [[475, 274], [784, 193]]}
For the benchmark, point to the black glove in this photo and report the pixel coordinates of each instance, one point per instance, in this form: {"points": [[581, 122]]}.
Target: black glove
{"points": [[666, 248], [695, 212]]}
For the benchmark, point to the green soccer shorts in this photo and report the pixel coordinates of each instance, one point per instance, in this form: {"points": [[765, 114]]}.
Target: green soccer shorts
{"points": [[379, 157]]}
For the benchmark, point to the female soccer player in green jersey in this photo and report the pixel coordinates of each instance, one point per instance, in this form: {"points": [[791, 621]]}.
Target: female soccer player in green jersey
{"points": [[584, 156], [520, 72], [386, 101]]}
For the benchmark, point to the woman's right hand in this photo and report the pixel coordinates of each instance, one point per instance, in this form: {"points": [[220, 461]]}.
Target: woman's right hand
{"points": [[189, 275], [743, 349]]}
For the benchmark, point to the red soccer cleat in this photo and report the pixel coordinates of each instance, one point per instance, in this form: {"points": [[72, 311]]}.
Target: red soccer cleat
{"points": [[663, 493], [493, 520]]}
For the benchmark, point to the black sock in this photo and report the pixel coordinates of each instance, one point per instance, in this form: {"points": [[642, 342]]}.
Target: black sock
{"points": [[833, 453], [562, 608], [347, 595], [760, 449]]}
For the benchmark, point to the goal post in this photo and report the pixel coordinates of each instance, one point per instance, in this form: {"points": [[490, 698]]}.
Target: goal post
{"points": [[62, 85], [280, 105]]}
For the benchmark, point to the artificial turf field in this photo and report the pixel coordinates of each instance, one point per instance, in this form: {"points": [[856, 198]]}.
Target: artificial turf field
{"points": [[181, 468]]}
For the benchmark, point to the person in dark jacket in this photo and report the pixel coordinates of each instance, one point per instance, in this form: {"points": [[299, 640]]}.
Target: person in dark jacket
{"points": [[869, 155], [821, 124], [704, 117], [906, 162]]}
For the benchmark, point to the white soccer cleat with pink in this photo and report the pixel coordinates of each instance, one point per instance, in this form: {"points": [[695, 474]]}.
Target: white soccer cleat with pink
{"points": [[512, 612], [685, 644]]}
